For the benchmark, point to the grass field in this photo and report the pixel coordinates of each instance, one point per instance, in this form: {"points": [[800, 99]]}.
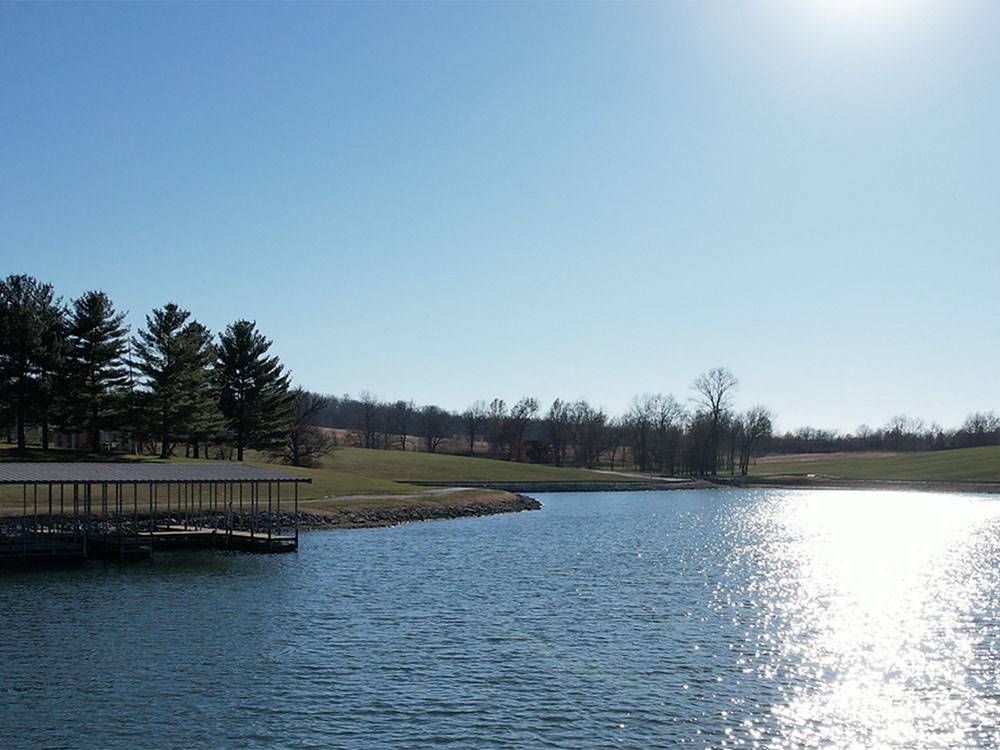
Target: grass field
{"points": [[964, 464], [358, 471]]}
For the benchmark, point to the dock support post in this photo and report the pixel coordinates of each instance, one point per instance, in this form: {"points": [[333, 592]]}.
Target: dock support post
{"points": [[86, 515], [24, 515]]}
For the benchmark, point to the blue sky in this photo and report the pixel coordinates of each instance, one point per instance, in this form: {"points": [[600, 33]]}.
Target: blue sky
{"points": [[447, 202]]}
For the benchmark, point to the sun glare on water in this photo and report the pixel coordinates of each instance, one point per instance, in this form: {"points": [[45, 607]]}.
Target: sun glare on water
{"points": [[882, 596]]}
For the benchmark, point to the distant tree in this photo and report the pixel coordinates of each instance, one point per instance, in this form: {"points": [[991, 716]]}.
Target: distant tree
{"points": [[755, 426], [557, 424], [400, 419], [614, 440], [714, 392], [305, 443], [981, 428], [434, 426], [865, 435], [496, 426], [383, 416], [588, 433], [95, 373], [254, 398], [666, 426], [32, 349], [639, 423], [367, 420], [473, 420], [520, 416], [700, 452], [903, 433]]}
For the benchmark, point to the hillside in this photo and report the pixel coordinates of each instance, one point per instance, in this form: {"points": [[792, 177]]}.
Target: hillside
{"points": [[359, 471], [964, 464]]}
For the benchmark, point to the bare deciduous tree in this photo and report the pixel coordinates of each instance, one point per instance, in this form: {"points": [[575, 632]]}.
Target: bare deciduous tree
{"points": [[517, 422], [496, 423], [754, 427], [638, 421], [305, 442], [714, 393], [589, 433], [400, 418], [367, 419], [557, 424], [434, 427], [473, 419], [667, 424]]}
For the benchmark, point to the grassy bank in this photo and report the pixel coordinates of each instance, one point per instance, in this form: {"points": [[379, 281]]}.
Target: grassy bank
{"points": [[964, 464], [357, 471], [358, 478]]}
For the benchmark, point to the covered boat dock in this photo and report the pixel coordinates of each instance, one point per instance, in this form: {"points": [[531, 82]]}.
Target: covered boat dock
{"points": [[125, 510]]}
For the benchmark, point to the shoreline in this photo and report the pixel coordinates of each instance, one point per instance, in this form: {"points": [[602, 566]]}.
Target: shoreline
{"points": [[820, 482], [496, 498], [389, 511], [657, 484]]}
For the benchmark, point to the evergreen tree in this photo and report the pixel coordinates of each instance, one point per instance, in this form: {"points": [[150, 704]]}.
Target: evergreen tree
{"points": [[175, 359], [204, 420], [95, 373], [162, 362], [254, 398], [32, 329]]}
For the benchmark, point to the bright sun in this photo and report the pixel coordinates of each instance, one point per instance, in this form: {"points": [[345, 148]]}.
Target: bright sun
{"points": [[867, 14], [862, 23]]}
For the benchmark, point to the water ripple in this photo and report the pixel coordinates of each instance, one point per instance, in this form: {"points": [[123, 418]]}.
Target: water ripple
{"points": [[694, 619]]}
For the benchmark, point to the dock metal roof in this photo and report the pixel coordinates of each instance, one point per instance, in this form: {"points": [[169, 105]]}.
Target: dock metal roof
{"points": [[144, 472]]}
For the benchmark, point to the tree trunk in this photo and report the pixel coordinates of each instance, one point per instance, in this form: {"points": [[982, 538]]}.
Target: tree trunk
{"points": [[22, 440], [45, 433], [239, 452]]}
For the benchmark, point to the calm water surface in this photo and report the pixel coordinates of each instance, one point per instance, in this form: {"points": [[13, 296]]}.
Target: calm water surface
{"points": [[619, 620]]}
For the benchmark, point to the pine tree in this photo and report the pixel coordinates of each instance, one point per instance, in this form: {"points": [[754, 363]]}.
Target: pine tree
{"points": [[204, 420], [95, 373], [254, 398], [32, 331], [175, 359], [162, 361]]}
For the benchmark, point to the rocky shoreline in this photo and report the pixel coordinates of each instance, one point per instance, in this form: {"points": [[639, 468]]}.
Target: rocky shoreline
{"points": [[393, 515], [373, 516]]}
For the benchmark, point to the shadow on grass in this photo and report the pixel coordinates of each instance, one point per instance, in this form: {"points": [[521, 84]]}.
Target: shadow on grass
{"points": [[9, 453]]}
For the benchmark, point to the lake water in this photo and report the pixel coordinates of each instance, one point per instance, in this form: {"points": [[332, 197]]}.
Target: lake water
{"points": [[620, 620]]}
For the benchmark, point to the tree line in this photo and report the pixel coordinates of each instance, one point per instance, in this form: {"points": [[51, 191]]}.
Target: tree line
{"points": [[900, 434], [75, 370], [657, 433]]}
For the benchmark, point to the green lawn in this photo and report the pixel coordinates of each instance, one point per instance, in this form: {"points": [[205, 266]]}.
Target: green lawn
{"points": [[358, 471], [969, 464]]}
